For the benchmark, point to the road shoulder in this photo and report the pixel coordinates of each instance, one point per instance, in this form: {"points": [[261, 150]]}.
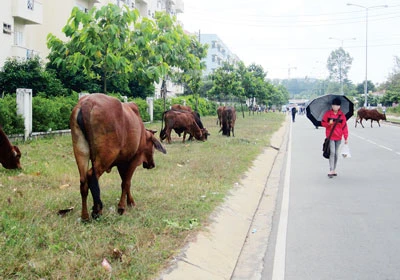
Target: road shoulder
{"points": [[230, 244]]}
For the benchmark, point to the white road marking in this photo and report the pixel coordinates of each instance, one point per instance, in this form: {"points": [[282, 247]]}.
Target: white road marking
{"points": [[278, 272], [374, 143], [386, 148]]}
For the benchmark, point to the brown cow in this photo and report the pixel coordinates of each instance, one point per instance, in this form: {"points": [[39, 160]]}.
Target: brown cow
{"points": [[228, 121], [9, 154], [372, 115], [182, 121], [109, 133], [196, 115]]}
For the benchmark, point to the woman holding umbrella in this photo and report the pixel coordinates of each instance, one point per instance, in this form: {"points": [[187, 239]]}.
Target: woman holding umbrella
{"points": [[340, 130]]}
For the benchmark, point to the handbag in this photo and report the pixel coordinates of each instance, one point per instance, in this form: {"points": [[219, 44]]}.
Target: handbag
{"points": [[326, 149]]}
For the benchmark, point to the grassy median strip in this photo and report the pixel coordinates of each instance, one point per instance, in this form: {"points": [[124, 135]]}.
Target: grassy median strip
{"points": [[174, 201]]}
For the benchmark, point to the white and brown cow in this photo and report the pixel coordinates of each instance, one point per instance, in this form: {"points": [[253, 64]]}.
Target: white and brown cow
{"points": [[109, 133]]}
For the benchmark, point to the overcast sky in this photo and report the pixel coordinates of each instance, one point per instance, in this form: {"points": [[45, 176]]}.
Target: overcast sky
{"points": [[290, 38]]}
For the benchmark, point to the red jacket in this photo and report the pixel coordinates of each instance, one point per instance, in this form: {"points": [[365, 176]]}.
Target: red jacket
{"points": [[341, 127]]}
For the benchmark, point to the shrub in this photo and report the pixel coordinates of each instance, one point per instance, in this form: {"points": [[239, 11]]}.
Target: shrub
{"points": [[52, 113], [9, 120], [142, 104], [28, 73]]}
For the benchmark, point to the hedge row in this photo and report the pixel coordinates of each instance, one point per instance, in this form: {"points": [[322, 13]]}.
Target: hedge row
{"points": [[53, 113]]}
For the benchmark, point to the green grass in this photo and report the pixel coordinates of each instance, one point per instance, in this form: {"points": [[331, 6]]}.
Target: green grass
{"points": [[174, 201]]}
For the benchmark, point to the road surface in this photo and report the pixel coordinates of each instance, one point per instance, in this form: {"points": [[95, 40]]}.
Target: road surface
{"points": [[346, 227]]}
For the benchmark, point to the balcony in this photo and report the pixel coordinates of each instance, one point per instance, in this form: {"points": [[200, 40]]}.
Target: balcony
{"points": [[22, 52], [28, 11]]}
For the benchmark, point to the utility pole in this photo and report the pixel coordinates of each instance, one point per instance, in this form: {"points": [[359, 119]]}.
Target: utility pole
{"points": [[366, 46]]}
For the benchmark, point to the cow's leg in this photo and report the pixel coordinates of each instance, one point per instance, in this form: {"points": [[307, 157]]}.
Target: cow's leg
{"points": [[379, 123], [168, 133], [126, 173], [84, 194], [233, 131], [361, 122], [82, 166], [93, 182], [81, 153], [184, 137]]}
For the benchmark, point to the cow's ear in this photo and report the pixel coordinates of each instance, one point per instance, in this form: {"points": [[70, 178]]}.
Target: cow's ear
{"points": [[158, 145], [152, 131]]}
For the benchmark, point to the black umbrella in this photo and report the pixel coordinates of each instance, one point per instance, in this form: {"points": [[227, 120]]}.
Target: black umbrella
{"points": [[317, 107]]}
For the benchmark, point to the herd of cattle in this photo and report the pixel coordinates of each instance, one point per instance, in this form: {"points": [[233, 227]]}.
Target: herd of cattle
{"points": [[106, 133]]}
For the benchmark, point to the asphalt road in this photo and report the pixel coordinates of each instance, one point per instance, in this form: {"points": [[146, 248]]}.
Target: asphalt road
{"points": [[347, 227]]}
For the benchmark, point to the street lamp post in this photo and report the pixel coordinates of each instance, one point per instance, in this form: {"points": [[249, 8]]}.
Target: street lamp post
{"points": [[340, 68], [366, 46]]}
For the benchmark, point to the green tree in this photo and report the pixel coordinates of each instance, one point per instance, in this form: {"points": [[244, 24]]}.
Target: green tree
{"points": [[99, 43], [392, 86], [227, 84], [112, 46], [338, 64], [174, 52]]}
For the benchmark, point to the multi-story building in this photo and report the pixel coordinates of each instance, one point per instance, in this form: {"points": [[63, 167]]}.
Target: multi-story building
{"points": [[26, 23], [16, 16], [218, 53]]}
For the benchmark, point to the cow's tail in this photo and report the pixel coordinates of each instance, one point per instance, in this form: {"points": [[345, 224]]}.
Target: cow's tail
{"points": [[83, 118], [162, 130]]}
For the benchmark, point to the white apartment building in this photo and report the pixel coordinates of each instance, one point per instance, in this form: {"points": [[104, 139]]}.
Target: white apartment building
{"points": [[26, 23], [217, 53], [16, 16]]}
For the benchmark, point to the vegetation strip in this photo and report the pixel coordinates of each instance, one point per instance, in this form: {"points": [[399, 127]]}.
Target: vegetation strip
{"points": [[174, 201]]}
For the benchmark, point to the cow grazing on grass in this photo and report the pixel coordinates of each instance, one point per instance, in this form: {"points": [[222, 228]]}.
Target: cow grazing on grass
{"points": [[9, 154], [196, 115], [182, 122], [109, 133], [228, 119], [372, 115]]}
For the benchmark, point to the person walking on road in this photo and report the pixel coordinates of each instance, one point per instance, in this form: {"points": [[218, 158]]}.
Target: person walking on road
{"points": [[294, 111], [340, 131]]}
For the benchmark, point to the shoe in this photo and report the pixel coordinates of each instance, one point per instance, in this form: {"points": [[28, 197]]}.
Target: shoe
{"points": [[331, 175], [334, 174]]}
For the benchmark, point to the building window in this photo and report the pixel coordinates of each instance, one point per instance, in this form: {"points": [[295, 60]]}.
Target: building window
{"points": [[18, 37], [6, 28], [30, 4]]}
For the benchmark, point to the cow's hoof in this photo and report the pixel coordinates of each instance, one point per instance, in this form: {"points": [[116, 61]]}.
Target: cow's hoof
{"points": [[121, 211], [85, 218], [96, 215]]}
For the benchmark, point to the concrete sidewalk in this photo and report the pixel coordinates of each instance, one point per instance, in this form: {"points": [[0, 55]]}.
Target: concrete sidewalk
{"points": [[233, 245]]}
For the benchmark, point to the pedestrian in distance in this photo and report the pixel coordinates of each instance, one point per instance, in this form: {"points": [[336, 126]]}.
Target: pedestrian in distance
{"points": [[340, 131], [294, 111]]}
